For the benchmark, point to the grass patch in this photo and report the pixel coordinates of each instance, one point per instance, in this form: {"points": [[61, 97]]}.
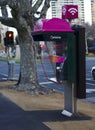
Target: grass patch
{"points": [[90, 55], [3, 59], [6, 59]]}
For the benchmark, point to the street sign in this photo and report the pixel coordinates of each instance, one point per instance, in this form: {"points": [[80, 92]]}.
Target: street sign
{"points": [[69, 11]]}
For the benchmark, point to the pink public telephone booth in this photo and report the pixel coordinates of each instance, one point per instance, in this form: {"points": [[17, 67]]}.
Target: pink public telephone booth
{"points": [[52, 36], [60, 50]]}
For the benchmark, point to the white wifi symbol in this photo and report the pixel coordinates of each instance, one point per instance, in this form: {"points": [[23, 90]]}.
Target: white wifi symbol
{"points": [[73, 10]]}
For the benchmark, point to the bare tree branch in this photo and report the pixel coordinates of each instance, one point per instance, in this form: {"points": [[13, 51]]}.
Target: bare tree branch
{"points": [[3, 2], [13, 4], [31, 2], [4, 11], [8, 22], [36, 6], [45, 8]]}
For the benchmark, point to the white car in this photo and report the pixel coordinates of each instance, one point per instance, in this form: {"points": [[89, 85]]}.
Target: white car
{"points": [[93, 72]]}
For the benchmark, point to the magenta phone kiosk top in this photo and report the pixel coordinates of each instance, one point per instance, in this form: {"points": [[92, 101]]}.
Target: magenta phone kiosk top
{"points": [[51, 29], [52, 25]]}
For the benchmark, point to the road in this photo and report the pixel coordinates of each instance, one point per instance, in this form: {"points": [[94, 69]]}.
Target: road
{"points": [[90, 83]]}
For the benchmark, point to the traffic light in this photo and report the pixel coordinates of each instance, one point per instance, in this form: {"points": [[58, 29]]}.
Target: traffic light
{"points": [[9, 38]]}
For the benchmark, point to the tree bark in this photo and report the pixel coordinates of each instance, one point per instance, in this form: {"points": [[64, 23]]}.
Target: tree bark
{"points": [[23, 20], [28, 65]]}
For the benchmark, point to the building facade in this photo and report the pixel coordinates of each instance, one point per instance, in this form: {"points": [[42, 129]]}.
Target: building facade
{"points": [[93, 11], [56, 7]]}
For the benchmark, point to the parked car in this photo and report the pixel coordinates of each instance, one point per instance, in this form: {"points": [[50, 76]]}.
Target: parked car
{"points": [[93, 72]]}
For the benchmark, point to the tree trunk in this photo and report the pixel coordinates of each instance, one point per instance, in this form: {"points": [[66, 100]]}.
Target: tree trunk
{"points": [[28, 72], [23, 14], [28, 61]]}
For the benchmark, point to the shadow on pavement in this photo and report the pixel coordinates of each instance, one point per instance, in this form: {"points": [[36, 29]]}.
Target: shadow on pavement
{"points": [[12, 117]]}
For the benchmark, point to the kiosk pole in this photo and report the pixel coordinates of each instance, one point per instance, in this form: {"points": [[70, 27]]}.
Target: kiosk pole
{"points": [[74, 98], [70, 100]]}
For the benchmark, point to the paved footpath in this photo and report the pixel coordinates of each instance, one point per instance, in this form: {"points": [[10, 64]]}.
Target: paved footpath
{"points": [[13, 117]]}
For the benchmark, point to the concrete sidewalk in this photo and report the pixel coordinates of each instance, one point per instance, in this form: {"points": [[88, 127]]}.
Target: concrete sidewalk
{"points": [[13, 117], [22, 111]]}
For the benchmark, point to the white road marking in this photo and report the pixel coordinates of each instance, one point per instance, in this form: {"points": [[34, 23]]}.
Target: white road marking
{"points": [[45, 83], [3, 74], [90, 79], [90, 90]]}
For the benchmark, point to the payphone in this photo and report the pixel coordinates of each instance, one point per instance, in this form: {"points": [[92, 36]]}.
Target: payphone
{"points": [[59, 57], [55, 40]]}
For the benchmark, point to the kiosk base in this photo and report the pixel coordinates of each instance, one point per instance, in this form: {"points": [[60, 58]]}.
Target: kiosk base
{"points": [[67, 113]]}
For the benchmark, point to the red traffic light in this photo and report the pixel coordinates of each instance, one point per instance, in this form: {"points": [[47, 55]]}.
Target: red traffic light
{"points": [[9, 38], [10, 35]]}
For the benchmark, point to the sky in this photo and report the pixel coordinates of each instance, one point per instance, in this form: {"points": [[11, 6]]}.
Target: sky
{"points": [[87, 11]]}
